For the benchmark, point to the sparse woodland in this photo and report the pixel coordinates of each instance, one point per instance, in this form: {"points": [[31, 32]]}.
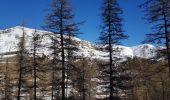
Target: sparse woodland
{"points": [[63, 75]]}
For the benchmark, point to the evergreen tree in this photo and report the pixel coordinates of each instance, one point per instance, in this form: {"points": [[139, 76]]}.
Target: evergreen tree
{"points": [[111, 33], [55, 82], [35, 48], [21, 62], [71, 47], [158, 13], [60, 21]]}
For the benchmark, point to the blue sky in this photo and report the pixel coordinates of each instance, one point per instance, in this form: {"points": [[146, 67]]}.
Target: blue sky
{"points": [[33, 12]]}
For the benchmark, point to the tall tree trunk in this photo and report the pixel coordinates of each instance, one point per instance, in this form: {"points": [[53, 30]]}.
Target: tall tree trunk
{"points": [[19, 80], [110, 52], [111, 70], [63, 68], [62, 52], [53, 69], [20, 74], [166, 34], [35, 70], [52, 83]]}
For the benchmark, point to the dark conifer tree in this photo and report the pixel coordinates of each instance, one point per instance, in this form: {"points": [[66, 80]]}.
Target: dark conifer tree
{"points": [[71, 47], [111, 33], [54, 68], [35, 48], [158, 13], [21, 62], [60, 21]]}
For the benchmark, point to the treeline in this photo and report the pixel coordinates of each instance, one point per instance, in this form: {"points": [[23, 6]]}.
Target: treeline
{"points": [[32, 75]]}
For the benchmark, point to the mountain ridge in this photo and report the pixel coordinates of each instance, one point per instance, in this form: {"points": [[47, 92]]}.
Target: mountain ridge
{"points": [[9, 39]]}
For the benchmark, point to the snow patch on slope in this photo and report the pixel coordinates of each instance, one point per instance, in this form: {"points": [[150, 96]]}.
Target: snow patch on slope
{"points": [[144, 51]]}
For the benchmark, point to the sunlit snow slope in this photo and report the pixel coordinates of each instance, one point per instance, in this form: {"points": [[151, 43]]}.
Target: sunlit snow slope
{"points": [[9, 39]]}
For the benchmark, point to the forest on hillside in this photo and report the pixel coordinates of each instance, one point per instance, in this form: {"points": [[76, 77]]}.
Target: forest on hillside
{"points": [[63, 75]]}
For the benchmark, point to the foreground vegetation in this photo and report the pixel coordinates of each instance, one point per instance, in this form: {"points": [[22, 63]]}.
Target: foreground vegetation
{"points": [[149, 80]]}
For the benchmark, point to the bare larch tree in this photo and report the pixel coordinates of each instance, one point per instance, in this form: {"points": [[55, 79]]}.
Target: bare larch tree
{"points": [[60, 21], [111, 33]]}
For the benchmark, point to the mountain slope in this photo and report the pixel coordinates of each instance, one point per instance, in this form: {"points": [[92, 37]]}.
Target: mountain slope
{"points": [[9, 39]]}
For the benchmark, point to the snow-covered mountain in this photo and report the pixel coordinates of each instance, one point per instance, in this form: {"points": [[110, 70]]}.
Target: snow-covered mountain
{"points": [[9, 39]]}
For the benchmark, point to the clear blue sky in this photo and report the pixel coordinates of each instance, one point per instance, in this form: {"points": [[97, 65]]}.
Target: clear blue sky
{"points": [[13, 12]]}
